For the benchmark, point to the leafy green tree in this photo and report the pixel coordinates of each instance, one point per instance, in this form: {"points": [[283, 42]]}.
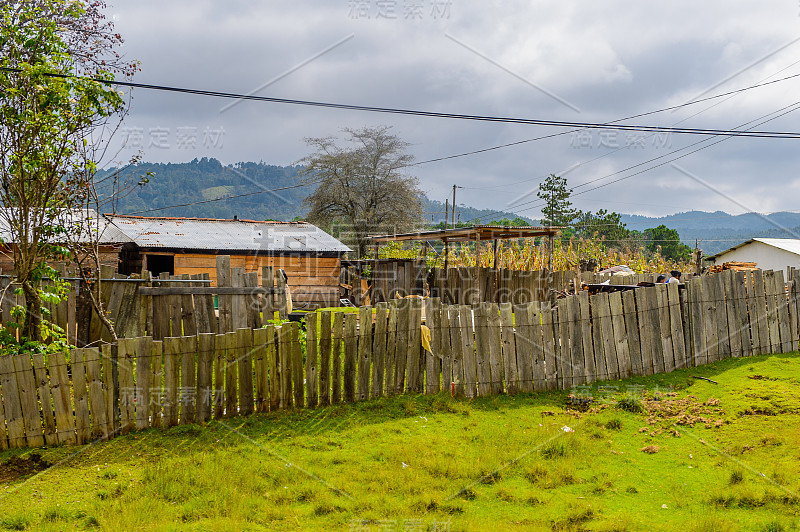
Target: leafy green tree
{"points": [[446, 225], [669, 242], [362, 187], [558, 209], [603, 225], [516, 222], [47, 124]]}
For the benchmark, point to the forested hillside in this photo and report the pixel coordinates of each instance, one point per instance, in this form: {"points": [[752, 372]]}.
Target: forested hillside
{"points": [[207, 179], [190, 186], [719, 230]]}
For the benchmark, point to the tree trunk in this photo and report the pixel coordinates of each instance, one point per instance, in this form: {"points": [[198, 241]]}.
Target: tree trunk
{"points": [[83, 315], [32, 329]]}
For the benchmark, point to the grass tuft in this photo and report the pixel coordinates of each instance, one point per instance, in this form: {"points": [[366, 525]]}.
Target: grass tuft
{"points": [[630, 404], [736, 478]]}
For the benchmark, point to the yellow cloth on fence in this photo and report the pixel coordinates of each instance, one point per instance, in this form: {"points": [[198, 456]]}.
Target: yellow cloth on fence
{"points": [[426, 338]]}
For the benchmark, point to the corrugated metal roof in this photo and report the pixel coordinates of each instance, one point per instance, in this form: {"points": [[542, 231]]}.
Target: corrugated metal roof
{"points": [[792, 245], [230, 235], [90, 225]]}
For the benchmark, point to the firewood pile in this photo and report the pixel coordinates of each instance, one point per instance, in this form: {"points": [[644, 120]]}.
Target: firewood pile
{"points": [[738, 266]]}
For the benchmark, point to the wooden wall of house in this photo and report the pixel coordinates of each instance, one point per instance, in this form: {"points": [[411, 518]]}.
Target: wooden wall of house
{"points": [[109, 255], [313, 280]]}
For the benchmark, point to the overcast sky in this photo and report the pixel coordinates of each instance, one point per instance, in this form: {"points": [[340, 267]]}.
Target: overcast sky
{"points": [[587, 62]]}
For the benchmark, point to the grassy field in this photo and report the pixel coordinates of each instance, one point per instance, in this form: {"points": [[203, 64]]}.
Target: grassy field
{"points": [[692, 455]]}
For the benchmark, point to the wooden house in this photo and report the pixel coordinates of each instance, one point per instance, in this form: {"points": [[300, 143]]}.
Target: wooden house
{"points": [[766, 253], [310, 257]]}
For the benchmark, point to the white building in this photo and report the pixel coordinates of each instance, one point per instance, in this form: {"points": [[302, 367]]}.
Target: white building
{"points": [[767, 253]]}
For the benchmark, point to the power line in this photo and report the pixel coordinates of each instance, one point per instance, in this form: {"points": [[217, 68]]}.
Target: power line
{"points": [[791, 108], [432, 114], [647, 162], [729, 94], [483, 150]]}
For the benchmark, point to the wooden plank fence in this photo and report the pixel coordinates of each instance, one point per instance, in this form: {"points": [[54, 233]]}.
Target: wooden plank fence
{"points": [[171, 305], [94, 394], [393, 278]]}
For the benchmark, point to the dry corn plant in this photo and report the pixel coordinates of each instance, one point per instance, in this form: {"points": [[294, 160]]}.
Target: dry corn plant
{"points": [[524, 254]]}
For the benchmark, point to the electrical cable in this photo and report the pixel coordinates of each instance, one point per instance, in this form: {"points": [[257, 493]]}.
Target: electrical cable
{"points": [[783, 111], [433, 114]]}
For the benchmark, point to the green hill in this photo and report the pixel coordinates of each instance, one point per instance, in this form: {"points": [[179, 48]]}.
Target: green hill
{"points": [[201, 180]]}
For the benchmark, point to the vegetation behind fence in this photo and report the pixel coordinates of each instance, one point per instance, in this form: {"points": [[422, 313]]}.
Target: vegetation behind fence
{"points": [[474, 351]]}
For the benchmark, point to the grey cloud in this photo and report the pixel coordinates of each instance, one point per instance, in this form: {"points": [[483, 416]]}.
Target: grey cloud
{"points": [[610, 59]]}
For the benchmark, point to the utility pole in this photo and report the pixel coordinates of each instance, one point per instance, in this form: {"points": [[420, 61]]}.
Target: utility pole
{"points": [[444, 241], [453, 215]]}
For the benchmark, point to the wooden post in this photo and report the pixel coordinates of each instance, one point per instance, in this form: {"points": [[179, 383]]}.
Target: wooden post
{"points": [[312, 349], [205, 359], [336, 358], [297, 365], [16, 434], [350, 355], [273, 357], [509, 350], [325, 342], [43, 385], [364, 351], [225, 302], [97, 400], [171, 379], [373, 290], [61, 400], [466, 338], [390, 365], [378, 349], [187, 397], [260, 370], [244, 358], [156, 385]]}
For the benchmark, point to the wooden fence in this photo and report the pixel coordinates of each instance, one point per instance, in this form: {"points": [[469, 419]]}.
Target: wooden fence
{"points": [[392, 278], [170, 305], [475, 351]]}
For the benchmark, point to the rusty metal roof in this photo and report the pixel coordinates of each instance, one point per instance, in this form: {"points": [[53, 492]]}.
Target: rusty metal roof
{"points": [[472, 233], [84, 225], [226, 235]]}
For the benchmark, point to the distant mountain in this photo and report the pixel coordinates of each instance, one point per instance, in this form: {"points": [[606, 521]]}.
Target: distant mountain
{"points": [[434, 212], [191, 185], [717, 231], [188, 189]]}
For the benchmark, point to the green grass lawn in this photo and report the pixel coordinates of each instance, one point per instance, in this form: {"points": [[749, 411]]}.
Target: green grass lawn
{"points": [[701, 457]]}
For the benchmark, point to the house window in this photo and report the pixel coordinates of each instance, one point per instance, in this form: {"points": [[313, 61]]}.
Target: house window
{"points": [[158, 264]]}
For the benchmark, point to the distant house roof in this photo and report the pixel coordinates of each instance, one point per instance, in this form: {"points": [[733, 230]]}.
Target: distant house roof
{"points": [[87, 223], [475, 232], [792, 245], [226, 235]]}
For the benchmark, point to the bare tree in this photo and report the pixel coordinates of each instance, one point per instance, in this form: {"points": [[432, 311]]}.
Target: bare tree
{"points": [[363, 185]]}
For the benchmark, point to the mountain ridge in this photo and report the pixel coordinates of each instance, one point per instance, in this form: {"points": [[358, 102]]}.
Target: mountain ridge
{"points": [[189, 189]]}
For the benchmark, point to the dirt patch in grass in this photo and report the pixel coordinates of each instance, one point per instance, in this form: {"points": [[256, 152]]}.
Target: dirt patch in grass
{"points": [[16, 467], [687, 411]]}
